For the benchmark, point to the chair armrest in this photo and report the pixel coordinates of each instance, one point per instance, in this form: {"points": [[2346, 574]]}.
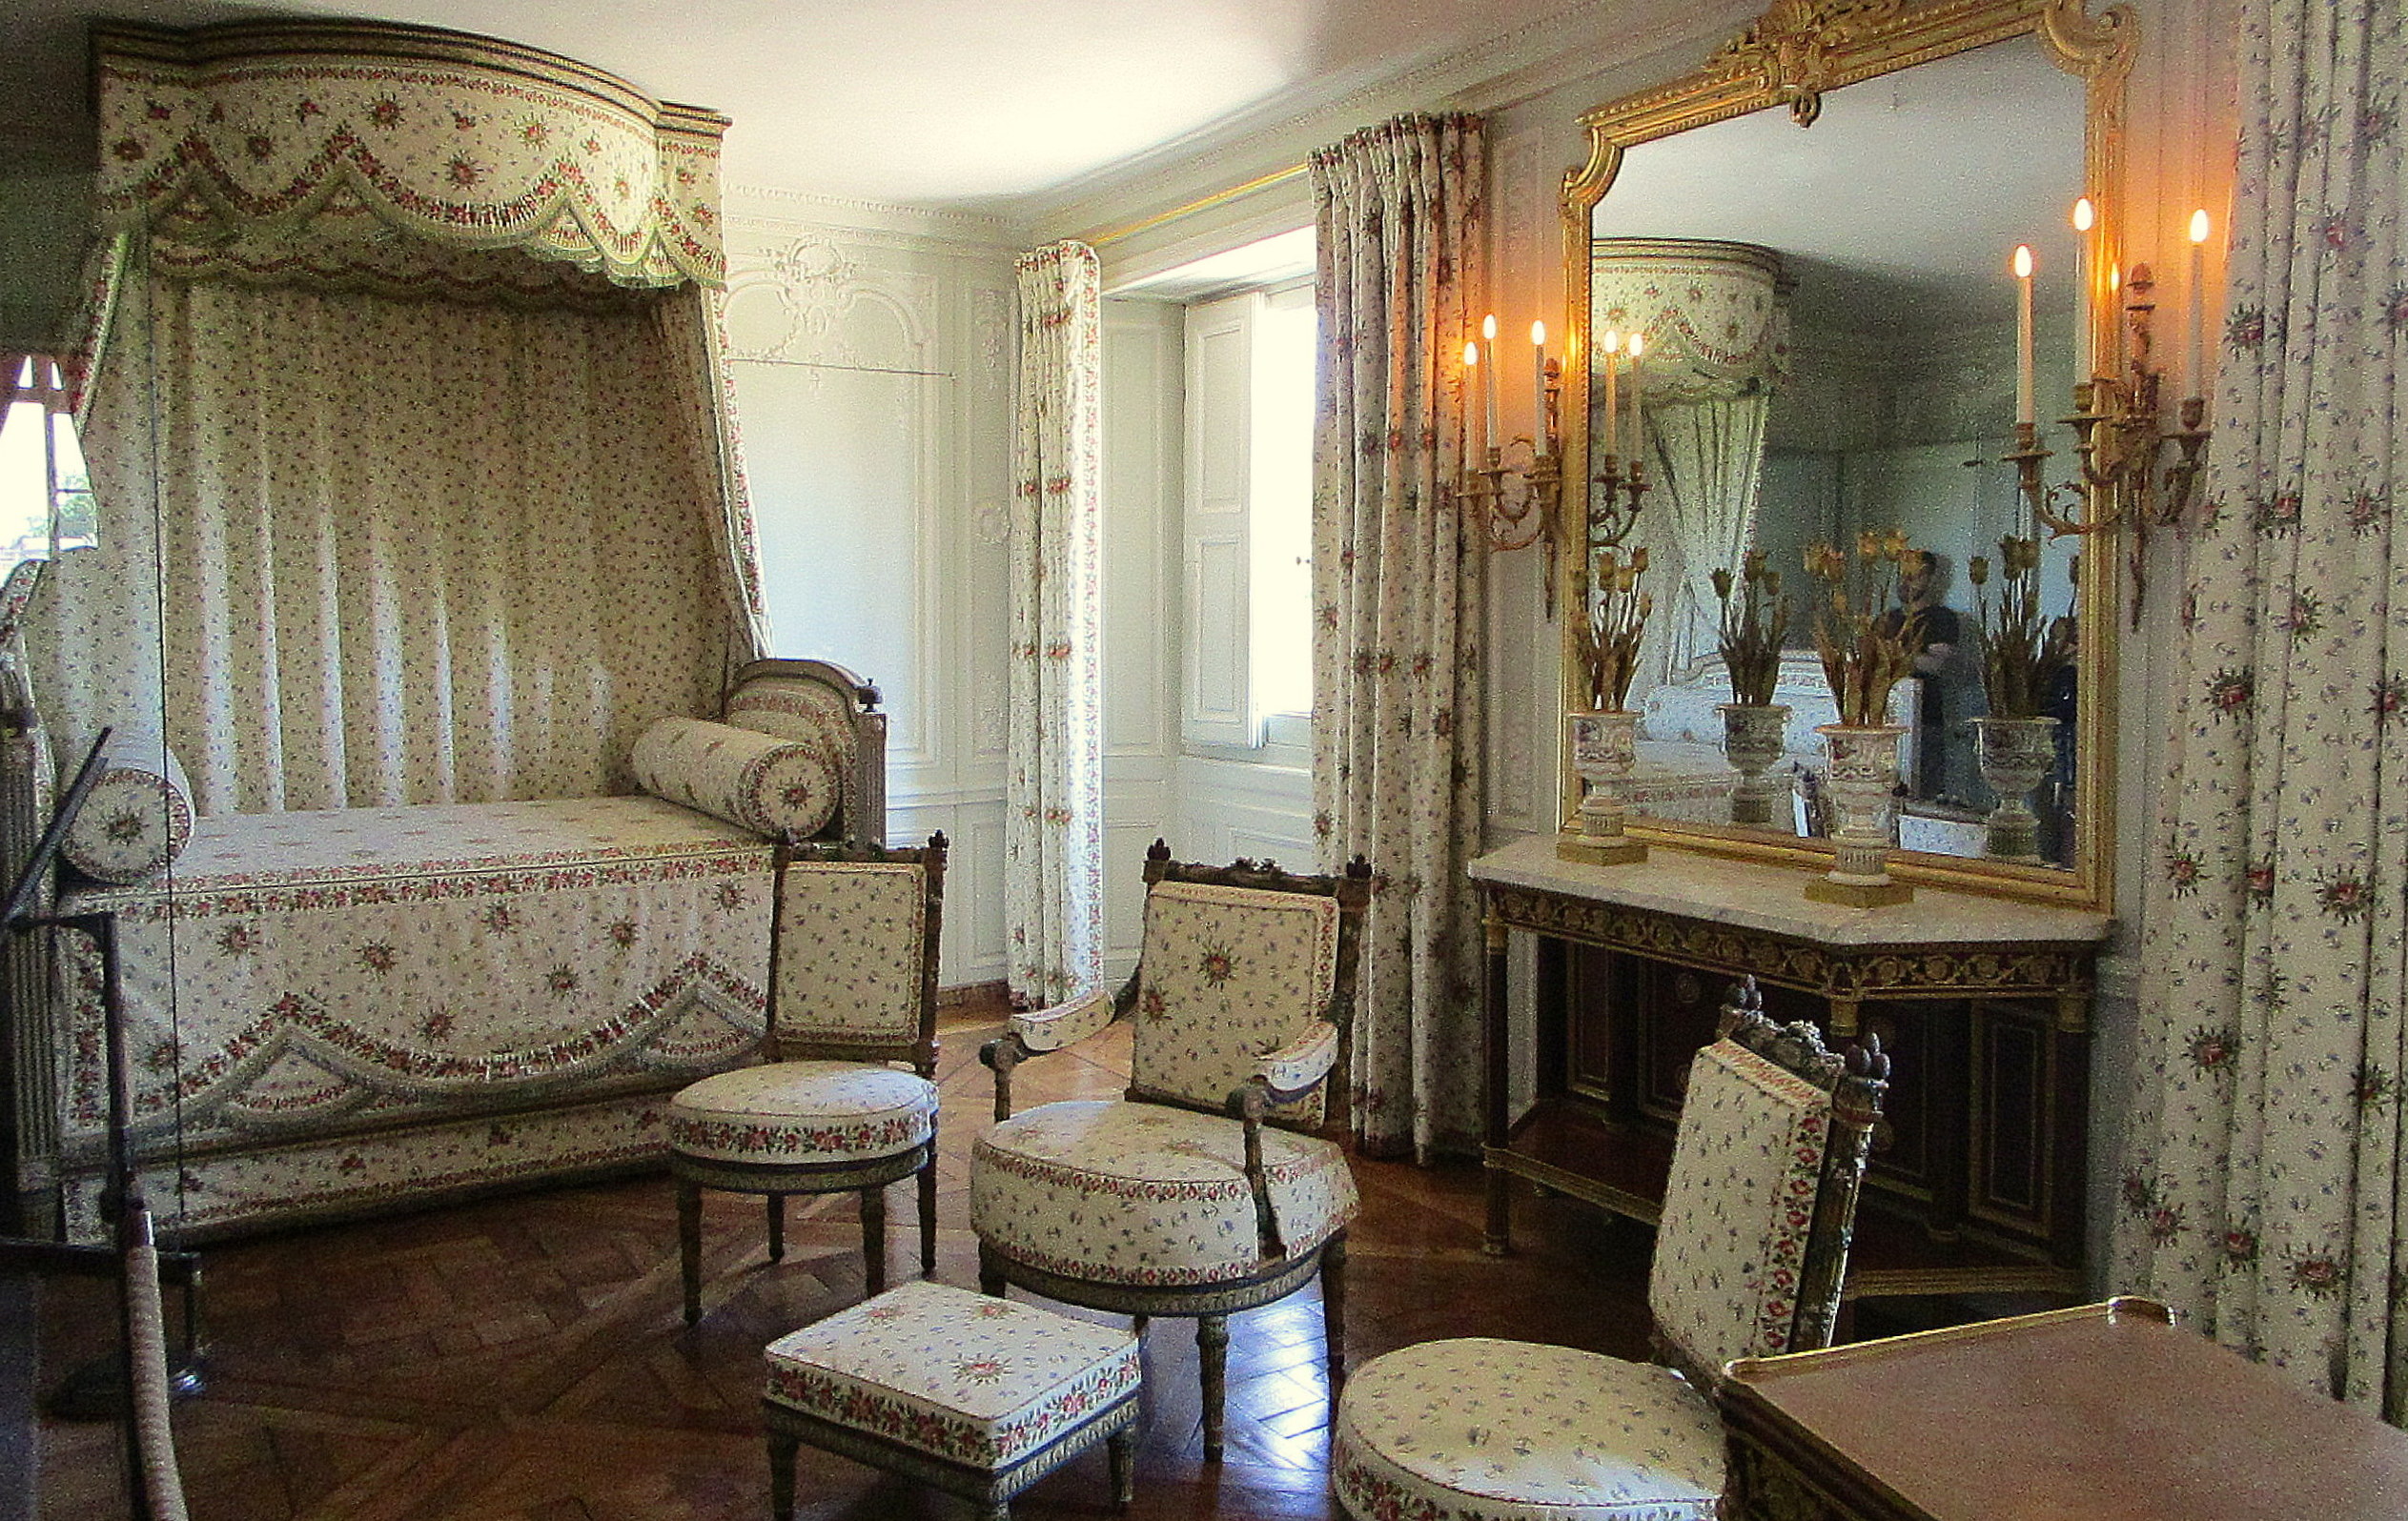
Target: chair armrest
{"points": [[1048, 1029], [1300, 1065]]}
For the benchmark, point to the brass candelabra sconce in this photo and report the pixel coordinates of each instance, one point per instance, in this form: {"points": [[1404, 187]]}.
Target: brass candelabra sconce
{"points": [[1515, 505], [2127, 480]]}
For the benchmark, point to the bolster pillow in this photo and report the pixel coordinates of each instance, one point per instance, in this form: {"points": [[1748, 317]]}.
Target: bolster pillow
{"points": [[139, 816], [758, 781]]}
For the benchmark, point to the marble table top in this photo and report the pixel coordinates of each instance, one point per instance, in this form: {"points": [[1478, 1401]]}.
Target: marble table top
{"points": [[1772, 899]]}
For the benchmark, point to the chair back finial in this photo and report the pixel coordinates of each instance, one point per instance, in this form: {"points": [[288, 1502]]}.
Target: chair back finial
{"points": [[1761, 1201], [853, 952]]}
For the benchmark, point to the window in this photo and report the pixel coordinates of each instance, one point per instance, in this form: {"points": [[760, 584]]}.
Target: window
{"points": [[1248, 520]]}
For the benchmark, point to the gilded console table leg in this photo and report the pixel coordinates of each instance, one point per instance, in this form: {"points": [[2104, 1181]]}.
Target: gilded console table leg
{"points": [[1497, 1242]]}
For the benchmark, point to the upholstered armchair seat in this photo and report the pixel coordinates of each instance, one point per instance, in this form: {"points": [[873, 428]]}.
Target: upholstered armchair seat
{"points": [[1476, 1429], [804, 1111], [1115, 1193]]}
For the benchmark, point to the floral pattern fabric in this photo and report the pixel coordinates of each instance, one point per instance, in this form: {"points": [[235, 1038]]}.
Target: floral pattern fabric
{"points": [[1399, 591], [138, 817], [851, 951], [1117, 1192], [964, 1378], [1226, 977], [1049, 1029], [1053, 800], [1475, 1429], [300, 974], [804, 1111], [772, 786], [1746, 1170], [225, 133], [2262, 1161]]}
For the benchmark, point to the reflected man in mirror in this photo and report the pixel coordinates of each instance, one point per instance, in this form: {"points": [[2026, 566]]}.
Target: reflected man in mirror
{"points": [[1948, 693]]}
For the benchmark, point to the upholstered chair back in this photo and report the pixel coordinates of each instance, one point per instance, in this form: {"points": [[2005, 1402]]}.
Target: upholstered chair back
{"points": [[1760, 1203], [853, 951], [1228, 974]]}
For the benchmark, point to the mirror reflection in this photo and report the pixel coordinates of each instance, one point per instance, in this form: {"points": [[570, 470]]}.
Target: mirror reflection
{"points": [[1831, 344]]}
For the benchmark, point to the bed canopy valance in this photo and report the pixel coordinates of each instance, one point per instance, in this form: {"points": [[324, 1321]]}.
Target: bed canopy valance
{"points": [[407, 393]]}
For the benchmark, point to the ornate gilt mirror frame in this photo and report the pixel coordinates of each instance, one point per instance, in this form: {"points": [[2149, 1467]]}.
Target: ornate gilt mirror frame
{"points": [[1793, 55]]}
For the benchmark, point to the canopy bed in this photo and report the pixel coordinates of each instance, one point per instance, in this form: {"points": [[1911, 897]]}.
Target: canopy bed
{"points": [[423, 553]]}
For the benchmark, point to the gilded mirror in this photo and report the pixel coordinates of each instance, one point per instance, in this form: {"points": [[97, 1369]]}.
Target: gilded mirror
{"points": [[1813, 235]]}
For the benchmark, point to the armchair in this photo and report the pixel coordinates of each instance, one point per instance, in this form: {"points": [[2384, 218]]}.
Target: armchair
{"points": [[1749, 1254], [1203, 1190], [853, 991]]}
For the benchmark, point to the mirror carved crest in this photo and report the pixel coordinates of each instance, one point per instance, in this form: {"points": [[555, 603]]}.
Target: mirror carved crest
{"points": [[1795, 64]]}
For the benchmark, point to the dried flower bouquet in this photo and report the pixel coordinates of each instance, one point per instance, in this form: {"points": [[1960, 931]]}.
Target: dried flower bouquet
{"points": [[1753, 628], [1864, 653]]}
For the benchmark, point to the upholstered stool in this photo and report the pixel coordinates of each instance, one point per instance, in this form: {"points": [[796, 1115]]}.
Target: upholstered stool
{"points": [[977, 1396]]}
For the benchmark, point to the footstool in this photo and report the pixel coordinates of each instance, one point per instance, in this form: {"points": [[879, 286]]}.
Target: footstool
{"points": [[969, 1392]]}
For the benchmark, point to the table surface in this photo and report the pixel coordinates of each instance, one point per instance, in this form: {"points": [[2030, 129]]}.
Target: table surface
{"points": [[1772, 899], [2105, 1411]]}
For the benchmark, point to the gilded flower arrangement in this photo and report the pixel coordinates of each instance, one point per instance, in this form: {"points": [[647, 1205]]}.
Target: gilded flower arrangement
{"points": [[1609, 638], [1865, 653], [1754, 626], [1604, 735], [2025, 653]]}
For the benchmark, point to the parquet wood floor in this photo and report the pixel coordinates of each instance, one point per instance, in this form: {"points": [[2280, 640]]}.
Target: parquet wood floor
{"points": [[523, 1358]]}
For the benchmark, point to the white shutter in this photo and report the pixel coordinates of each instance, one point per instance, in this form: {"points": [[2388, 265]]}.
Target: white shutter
{"points": [[1218, 707]]}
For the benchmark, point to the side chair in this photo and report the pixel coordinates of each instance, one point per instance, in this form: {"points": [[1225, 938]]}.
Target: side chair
{"points": [[853, 943], [1204, 1190], [1766, 1168]]}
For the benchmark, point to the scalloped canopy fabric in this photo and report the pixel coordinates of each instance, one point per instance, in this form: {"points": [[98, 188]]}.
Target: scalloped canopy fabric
{"points": [[253, 132], [1715, 315]]}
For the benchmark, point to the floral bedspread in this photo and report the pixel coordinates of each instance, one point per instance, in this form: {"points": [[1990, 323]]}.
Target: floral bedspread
{"points": [[309, 975]]}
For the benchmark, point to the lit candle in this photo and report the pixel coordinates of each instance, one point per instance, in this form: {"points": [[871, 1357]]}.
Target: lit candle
{"points": [[1538, 385], [1471, 405], [2087, 300], [1638, 418], [2194, 363], [1488, 337], [2022, 334], [1612, 349]]}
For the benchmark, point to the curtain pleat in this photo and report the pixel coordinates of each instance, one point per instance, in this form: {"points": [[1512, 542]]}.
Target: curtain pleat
{"points": [[1053, 803], [2263, 1187], [1399, 593]]}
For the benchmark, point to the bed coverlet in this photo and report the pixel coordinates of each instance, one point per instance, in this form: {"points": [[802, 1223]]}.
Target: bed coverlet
{"points": [[378, 1003]]}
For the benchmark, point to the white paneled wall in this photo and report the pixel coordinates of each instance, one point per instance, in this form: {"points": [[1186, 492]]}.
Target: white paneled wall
{"points": [[873, 388]]}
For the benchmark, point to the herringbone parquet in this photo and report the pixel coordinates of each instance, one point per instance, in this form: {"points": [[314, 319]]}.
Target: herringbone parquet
{"points": [[523, 1358]]}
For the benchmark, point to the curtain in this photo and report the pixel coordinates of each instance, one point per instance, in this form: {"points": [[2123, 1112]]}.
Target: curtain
{"points": [[1398, 592], [407, 551], [1053, 813], [1708, 457], [2262, 1184]]}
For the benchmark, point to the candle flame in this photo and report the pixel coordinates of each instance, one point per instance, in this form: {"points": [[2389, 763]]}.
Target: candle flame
{"points": [[1538, 333], [1488, 327], [1637, 345], [2084, 214], [2199, 225], [2115, 278], [2023, 261], [1471, 355], [1612, 342]]}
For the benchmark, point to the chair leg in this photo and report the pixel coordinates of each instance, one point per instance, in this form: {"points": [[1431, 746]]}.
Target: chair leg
{"points": [[777, 1227], [1137, 1324], [1212, 1356], [782, 1450], [1334, 1309], [927, 1217], [690, 1246], [1123, 1445], [991, 1278], [873, 1237]]}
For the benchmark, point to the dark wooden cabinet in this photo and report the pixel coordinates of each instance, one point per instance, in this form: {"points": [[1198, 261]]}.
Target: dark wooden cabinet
{"points": [[1978, 1173]]}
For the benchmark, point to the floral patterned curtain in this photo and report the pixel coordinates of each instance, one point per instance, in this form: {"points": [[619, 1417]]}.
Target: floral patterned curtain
{"points": [[1053, 807], [1400, 593], [2263, 1183]]}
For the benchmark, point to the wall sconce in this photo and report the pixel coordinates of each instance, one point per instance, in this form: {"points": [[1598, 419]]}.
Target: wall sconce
{"points": [[1516, 506], [2125, 478], [1615, 509]]}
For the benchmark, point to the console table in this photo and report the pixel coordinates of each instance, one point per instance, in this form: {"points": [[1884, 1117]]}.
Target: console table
{"points": [[2102, 1410], [1977, 1182]]}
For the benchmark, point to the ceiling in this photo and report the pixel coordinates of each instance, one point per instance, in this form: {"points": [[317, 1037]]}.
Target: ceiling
{"points": [[972, 105]]}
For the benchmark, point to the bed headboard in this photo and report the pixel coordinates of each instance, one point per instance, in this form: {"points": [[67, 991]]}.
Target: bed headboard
{"points": [[820, 703]]}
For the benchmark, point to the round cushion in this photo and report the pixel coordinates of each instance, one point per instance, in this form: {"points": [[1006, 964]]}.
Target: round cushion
{"points": [[764, 783], [1115, 1192], [1480, 1430], [139, 816], [802, 1112]]}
